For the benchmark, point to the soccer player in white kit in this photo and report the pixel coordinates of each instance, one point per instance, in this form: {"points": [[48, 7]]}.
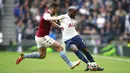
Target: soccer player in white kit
{"points": [[74, 42]]}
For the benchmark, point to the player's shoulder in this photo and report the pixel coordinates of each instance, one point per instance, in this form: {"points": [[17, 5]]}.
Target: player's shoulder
{"points": [[46, 13]]}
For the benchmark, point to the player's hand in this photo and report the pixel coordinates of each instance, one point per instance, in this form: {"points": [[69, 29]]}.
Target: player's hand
{"points": [[62, 28], [36, 28]]}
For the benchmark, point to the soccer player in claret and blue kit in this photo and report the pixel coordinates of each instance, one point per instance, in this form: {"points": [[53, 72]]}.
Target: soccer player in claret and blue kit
{"points": [[43, 40]]}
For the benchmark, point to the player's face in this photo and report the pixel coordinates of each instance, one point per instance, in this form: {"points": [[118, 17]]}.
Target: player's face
{"points": [[54, 11], [73, 13]]}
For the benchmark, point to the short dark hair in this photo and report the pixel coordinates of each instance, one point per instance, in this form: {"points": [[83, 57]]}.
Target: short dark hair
{"points": [[53, 5]]}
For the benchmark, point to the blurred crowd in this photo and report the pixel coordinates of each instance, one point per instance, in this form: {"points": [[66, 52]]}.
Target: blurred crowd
{"points": [[1, 8], [107, 18]]}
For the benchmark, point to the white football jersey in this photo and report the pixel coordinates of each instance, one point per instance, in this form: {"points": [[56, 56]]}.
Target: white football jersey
{"points": [[69, 27]]}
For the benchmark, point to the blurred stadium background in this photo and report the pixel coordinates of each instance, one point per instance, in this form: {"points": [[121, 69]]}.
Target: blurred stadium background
{"points": [[103, 24]]}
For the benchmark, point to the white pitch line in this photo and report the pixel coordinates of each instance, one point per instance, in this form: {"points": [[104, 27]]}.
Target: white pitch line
{"points": [[110, 58]]}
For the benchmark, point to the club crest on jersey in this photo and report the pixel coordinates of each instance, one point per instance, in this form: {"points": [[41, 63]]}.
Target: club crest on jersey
{"points": [[71, 25]]}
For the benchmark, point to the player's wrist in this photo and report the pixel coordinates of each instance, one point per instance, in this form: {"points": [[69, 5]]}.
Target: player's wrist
{"points": [[60, 26]]}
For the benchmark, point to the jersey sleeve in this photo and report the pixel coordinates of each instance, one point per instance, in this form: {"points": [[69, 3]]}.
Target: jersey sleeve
{"points": [[46, 16], [61, 16]]}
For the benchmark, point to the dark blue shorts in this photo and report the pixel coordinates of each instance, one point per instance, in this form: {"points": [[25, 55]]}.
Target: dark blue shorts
{"points": [[77, 40]]}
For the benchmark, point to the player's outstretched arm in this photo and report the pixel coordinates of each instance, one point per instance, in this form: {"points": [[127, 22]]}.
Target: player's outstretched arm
{"points": [[48, 17], [54, 18]]}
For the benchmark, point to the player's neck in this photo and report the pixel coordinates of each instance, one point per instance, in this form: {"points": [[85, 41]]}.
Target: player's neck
{"points": [[49, 10], [71, 16]]}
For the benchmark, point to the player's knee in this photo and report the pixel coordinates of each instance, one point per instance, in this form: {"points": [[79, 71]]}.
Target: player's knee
{"points": [[74, 49], [57, 46], [42, 56], [60, 48], [84, 50]]}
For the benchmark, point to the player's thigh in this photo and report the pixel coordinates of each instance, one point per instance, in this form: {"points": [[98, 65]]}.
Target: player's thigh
{"points": [[50, 42], [45, 41], [40, 45], [73, 47], [80, 43], [57, 46]]}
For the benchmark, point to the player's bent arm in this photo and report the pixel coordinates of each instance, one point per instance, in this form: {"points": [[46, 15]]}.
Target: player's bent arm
{"points": [[54, 24], [48, 17]]}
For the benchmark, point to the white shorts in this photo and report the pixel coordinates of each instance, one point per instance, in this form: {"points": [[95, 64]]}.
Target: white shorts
{"points": [[45, 41]]}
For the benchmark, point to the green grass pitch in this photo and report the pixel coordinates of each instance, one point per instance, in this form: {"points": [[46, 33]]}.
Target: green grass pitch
{"points": [[54, 64]]}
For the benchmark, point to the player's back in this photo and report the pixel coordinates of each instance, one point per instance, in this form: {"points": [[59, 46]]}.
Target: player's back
{"points": [[44, 26], [69, 27]]}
